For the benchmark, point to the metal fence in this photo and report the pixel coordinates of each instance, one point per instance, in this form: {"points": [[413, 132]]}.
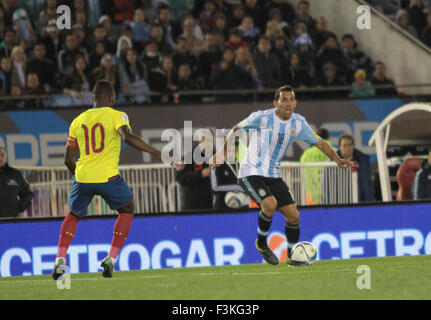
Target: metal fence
{"points": [[156, 190]]}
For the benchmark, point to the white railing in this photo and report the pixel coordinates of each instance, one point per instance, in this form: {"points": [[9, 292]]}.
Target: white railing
{"points": [[156, 190]]}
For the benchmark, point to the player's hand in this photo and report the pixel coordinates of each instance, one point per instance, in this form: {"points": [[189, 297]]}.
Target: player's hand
{"points": [[177, 165], [345, 164]]}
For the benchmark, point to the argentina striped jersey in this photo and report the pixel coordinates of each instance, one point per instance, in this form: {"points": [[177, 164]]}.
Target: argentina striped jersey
{"points": [[269, 138]]}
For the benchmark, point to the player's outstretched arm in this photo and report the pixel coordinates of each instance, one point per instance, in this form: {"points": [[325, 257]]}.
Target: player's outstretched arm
{"points": [[327, 149], [69, 158], [219, 157]]}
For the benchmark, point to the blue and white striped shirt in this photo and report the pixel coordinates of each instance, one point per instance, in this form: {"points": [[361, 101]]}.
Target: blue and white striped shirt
{"points": [[269, 139]]}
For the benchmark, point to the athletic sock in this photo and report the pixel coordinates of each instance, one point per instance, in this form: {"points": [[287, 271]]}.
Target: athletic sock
{"points": [[67, 232], [121, 231], [292, 235], [264, 224]]}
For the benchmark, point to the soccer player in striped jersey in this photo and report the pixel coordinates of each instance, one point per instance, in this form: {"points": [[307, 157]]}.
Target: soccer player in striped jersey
{"points": [[96, 136], [271, 133]]}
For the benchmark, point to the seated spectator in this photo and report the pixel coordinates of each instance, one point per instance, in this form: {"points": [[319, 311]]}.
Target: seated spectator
{"points": [[8, 43], [100, 34], [282, 53], [180, 8], [183, 56], [24, 28], [276, 16], [207, 16], [320, 33], [421, 187], [141, 30], [44, 68], [426, 34], [157, 34], [274, 31], [81, 7], [97, 55], [219, 40], [124, 43], [51, 40], [33, 87], [331, 53], [151, 55], [66, 57], [6, 75], [348, 151], [236, 18], [303, 15], [304, 46], [81, 38], [250, 33], [79, 82], [379, 79], [253, 9], [416, 11], [356, 59], [208, 59], [133, 77], [120, 11], [296, 75], [162, 80], [19, 67], [361, 87], [113, 32], [107, 70], [402, 18], [267, 64], [286, 9], [171, 29], [191, 34], [329, 79], [48, 14], [184, 82], [244, 61], [17, 103], [235, 40], [220, 24], [299, 30]]}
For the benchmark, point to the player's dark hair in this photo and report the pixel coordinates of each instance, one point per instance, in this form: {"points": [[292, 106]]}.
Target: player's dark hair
{"points": [[102, 88], [346, 136], [282, 89], [323, 133]]}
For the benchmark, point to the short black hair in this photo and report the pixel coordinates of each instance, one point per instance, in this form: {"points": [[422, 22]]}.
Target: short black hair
{"points": [[286, 88], [346, 136], [323, 133], [103, 88]]}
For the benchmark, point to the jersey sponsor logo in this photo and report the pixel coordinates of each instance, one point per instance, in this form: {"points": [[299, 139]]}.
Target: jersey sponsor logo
{"points": [[261, 192]]}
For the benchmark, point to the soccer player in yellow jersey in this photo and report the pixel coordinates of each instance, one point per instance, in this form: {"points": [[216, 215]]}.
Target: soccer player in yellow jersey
{"points": [[96, 136]]}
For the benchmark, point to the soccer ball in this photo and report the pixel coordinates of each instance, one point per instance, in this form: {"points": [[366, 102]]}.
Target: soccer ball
{"points": [[235, 200], [303, 254]]}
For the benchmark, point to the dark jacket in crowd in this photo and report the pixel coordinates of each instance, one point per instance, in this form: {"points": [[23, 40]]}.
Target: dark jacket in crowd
{"points": [[421, 187], [268, 69], [196, 190], [15, 194], [384, 92]]}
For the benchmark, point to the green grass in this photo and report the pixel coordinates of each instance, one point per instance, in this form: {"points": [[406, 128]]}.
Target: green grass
{"points": [[391, 278]]}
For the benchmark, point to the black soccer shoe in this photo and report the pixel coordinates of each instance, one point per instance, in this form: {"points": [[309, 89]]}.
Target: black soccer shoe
{"points": [[267, 254]]}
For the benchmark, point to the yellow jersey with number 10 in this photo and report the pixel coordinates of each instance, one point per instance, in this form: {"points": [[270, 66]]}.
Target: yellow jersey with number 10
{"points": [[95, 133]]}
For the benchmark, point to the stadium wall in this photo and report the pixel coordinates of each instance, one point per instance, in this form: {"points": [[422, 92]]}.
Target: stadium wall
{"points": [[34, 138], [198, 240]]}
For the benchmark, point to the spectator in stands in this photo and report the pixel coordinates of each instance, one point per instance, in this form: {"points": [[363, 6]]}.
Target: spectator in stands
{"points": [[33, 87], [6, 74], [123, 44], [361, 87], [330, 52], [43, 67], [235, 40], [208, 59], [79, 82], [15, 92], [8, 43], [23, 26], [51, 39], [15, 194], [184, 82], [426, 34], [244, 61], [207, 16], [304, 16], [151, 55], [304, 46], [219, 40], [356, 59], [421, 187], [348, 151], [183, 56], [320, 33], [107, 70], [81, 38], [49, 13], [220, 24], [133, 77], [180, 8], [281, 51], [100, 34], [267, 64], [275, 16], [416, 11], [19, 67], [236, 18], [330, 78], [379, 79], [141, 30], [66, 57], [195, 42], [274, 31], [252, 8], [250, 33], [113, 32], [157, 34], [296, 75], [119, 10], [171, 29], [162, 80], [97, 54], [286, 9], [81, 6], [402, 18]]}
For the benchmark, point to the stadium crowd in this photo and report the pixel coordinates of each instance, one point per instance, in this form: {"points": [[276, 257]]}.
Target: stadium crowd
{"points": [[166, 46]]}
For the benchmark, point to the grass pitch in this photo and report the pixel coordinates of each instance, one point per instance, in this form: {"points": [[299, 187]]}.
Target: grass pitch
{"points": [[391, 278]]}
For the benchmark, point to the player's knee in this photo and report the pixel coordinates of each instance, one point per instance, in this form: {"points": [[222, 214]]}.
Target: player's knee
{"points": [[269, 205], [129, 208], [294, 217]]}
